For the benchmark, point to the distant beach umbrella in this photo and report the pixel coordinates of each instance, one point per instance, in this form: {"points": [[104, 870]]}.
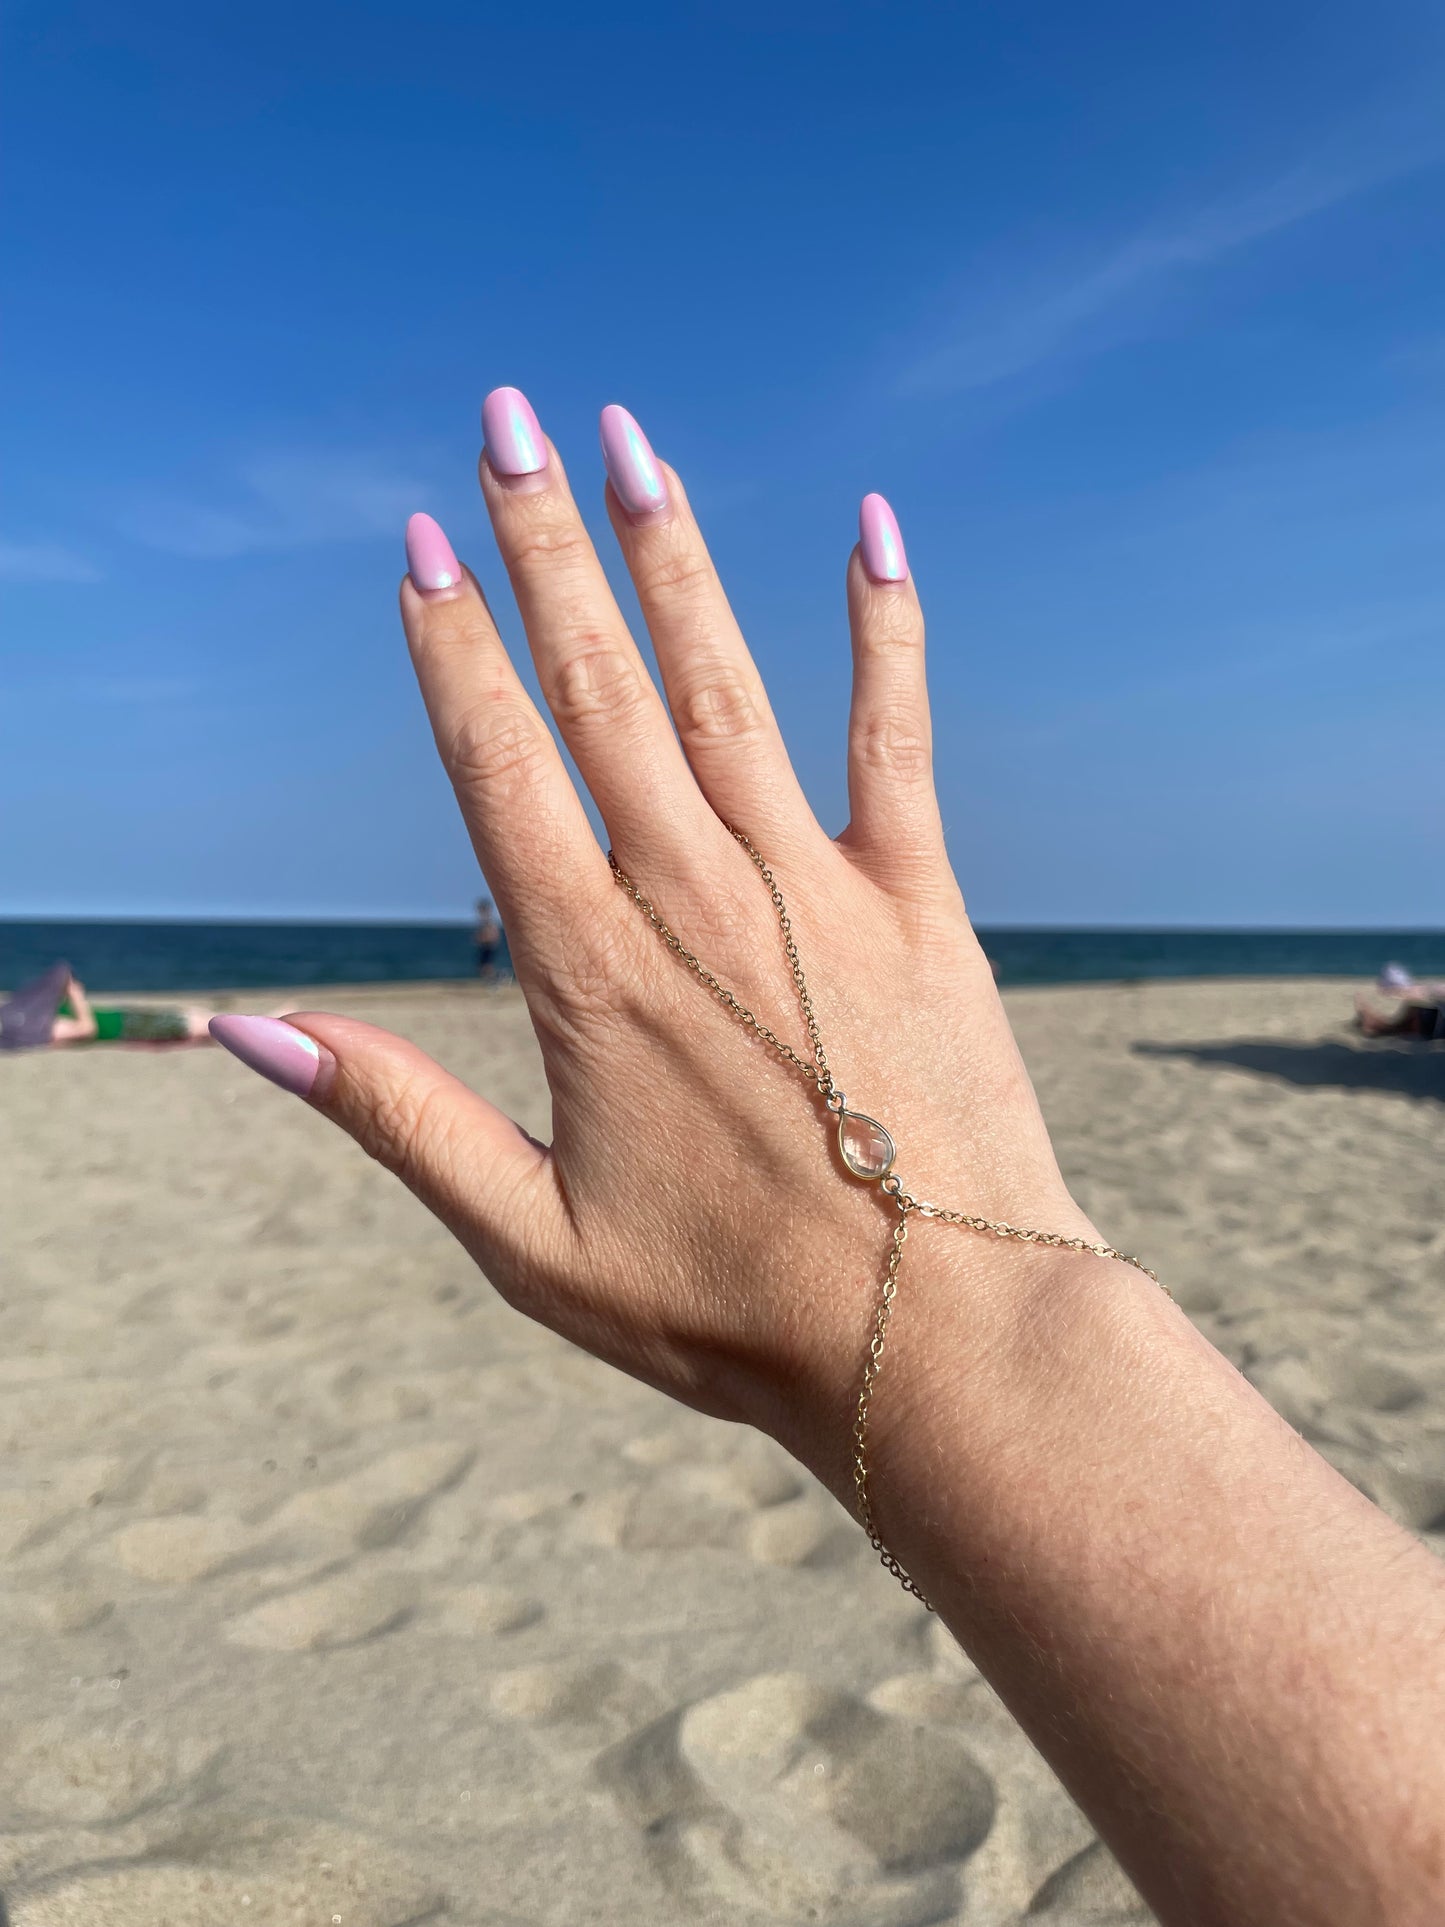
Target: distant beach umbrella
{"points": [[27, 1018]]}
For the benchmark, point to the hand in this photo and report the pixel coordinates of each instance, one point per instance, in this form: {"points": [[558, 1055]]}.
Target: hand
{"points": [[692, 1222]]}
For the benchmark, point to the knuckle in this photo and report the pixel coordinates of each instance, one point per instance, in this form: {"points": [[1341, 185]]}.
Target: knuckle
{"points": [[893, 745], [674, 572], [892, 628], [543, 545], [595, 682], [448, 626], [405, 1130], [498, 750], [721, 706]]}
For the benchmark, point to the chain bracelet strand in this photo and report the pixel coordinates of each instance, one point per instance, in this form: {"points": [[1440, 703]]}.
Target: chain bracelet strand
{"points": [[819, 1075]]}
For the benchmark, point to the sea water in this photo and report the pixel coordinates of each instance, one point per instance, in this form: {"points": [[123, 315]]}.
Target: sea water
{"points": [[191, 956]]}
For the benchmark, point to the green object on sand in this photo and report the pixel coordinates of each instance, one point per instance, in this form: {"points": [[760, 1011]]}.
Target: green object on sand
{"points": [[130, 1024], [125, 1024]]}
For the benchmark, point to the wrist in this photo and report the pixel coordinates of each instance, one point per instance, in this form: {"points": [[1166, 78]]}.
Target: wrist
{"points": [[1001, 1357], [982, 1332]]}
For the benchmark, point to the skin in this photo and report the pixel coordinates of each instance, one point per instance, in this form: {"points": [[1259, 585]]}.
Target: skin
{"points": [[79, 1028], [1405, 1019], [1230, 1658]]}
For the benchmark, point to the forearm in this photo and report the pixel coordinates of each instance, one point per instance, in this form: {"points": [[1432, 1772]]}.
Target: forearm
{"points": [[80, 1006], [1196, 1619], [72, 1030]]}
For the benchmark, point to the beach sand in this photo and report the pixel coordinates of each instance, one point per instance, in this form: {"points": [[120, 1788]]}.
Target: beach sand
{"points": [[332, 1592]]}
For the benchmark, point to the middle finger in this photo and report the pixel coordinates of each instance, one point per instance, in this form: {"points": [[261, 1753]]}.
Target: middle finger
{"points": [[595, 681], [716, 695]]}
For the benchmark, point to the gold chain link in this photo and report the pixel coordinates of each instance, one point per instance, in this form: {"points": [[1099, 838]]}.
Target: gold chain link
{"points": [[821, 1077]]}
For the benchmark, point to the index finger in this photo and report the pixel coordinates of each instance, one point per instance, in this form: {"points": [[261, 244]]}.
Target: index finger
{"points": [[526, 822]]}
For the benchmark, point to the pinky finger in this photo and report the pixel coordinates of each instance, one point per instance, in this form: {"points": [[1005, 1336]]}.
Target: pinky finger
{"points": [[893, 830]]}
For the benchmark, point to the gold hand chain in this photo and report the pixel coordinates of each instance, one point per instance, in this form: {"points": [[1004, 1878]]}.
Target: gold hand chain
{"points": [[868, 1152]]}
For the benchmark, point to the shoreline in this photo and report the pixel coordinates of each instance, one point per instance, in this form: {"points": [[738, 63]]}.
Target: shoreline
{"points": [[404, 987]]}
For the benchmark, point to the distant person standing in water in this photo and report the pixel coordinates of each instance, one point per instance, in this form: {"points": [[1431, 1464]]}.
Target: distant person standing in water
{"points": [[488, 938]]}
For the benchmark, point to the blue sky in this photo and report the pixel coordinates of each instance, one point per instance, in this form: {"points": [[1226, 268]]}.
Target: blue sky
{"points": [[1136, 314]]}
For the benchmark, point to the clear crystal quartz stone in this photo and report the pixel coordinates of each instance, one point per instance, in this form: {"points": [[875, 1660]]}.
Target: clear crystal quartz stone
{"points": [[867, 1148]]}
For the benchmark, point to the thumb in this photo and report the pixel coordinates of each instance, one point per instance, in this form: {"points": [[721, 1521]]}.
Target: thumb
{"points": [[467, 1161]]}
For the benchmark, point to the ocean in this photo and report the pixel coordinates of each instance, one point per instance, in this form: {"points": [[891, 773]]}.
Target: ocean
{"points": [[157, 956]]}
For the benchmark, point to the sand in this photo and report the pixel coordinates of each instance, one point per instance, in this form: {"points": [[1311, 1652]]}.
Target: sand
{"points": [[332, 1592]]}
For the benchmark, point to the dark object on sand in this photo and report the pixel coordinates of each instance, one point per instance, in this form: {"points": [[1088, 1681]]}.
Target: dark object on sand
{"points": [[28, 1018]]}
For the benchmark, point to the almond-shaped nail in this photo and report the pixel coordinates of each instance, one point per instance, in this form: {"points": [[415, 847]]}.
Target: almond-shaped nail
{"points": [[880, 541], [429, 559], [276, 1049], [513, 436], [631, 465]]}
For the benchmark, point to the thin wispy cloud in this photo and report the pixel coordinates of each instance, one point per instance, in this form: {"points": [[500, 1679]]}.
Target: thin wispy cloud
{"points": [[44, 562], [1043, 317], [293, 499]]}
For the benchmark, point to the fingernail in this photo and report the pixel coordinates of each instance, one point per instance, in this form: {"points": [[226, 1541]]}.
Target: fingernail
{"points": [[512, 434], [631, 464], [429, 558], [277, 1050], [881, 542]]}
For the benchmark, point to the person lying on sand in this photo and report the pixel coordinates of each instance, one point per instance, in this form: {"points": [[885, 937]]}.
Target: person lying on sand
{"points": [[1229, 1656], [79, 1022], [54, 1010], [1419, 1007]]}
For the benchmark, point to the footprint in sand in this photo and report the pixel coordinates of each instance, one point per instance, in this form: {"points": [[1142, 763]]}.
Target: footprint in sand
{"points": [[1036, 1827], [51, 1777], [754, 1501], [804, 1803], [379, 1503], [468, 1611], [580, 1705], [687, 1505], [807, 1531], [343, 1610], [32, 1515], [1374, 1383], [186, 1546], [62, 1608], [268, 1875]]}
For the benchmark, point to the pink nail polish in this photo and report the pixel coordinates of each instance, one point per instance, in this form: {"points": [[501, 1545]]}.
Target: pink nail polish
{"points": [[277, 1050], [881, 542], [631, 464], [429, 558], [512, 434]]}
